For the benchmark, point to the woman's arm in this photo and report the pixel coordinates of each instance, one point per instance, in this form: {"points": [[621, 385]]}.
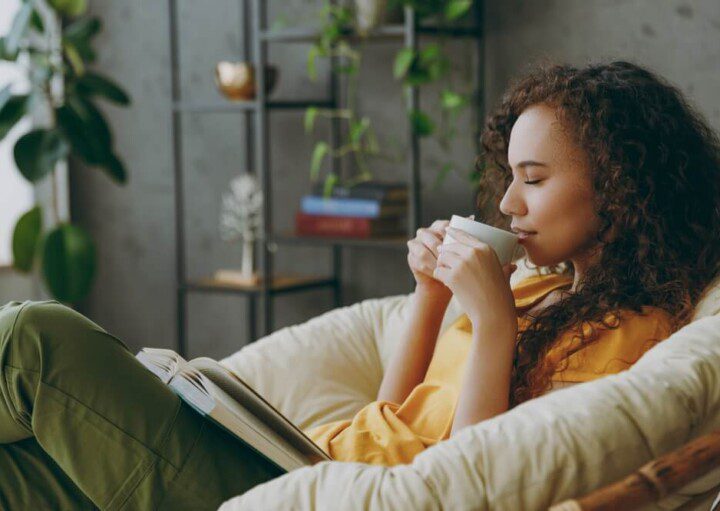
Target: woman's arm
{"points": [[485, 388], [412, 356]]}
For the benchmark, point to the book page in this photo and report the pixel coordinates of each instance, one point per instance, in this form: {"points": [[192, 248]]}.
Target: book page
{"points": [[161, 362], [241, 392]]}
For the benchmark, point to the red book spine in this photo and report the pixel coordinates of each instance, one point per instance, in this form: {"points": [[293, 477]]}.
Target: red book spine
{"points": [[339, 226]]}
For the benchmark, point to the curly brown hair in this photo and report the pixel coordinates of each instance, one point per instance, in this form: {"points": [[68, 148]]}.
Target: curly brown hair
{"points": [[656, 178]]}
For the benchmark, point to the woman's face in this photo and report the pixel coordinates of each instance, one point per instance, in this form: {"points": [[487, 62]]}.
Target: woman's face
{"points": [[551, 191]]}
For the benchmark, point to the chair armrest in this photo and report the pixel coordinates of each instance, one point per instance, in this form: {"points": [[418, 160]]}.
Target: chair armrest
{"points": [[322, 370]]}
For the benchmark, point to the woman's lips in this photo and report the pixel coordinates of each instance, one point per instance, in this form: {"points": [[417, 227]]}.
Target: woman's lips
{"points": [[522, 236]]}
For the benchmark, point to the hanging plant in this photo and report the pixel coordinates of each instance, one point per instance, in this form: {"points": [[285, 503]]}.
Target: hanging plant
{"points": [[431, 64], [361, 142], [53, 39]]}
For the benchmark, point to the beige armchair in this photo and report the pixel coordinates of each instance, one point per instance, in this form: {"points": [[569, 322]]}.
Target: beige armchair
{"points": [[557, 447]]}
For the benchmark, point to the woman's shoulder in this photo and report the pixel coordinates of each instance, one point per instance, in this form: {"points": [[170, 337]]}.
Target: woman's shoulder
{"points": [[629, 330], [651, 320], [620, 340]]}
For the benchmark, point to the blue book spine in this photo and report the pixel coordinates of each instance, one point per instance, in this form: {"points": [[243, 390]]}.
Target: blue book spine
{"points": [[362, 208]]}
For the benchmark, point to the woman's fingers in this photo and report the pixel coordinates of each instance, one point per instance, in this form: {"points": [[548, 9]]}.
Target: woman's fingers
{"points": [[419, 265], [420, 257], [430, 239], [439, 226], [449, 259]]}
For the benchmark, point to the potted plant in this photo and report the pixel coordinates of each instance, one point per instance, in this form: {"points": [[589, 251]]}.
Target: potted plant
{"points": [[53, 41], [361, 142], [431, 64]]}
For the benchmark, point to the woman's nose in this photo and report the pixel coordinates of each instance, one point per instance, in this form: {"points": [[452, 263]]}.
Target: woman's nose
{"points": [[511, 203]]}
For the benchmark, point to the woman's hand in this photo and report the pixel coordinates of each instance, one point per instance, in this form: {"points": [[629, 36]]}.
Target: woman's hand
{"points": [[422, 259], [472, 271]]}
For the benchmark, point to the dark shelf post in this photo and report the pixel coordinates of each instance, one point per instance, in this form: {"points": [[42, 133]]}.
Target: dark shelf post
{"points": [[336, 167], [262, 157], [413, 103], [480, 86], [245, 24], [180, 296]]}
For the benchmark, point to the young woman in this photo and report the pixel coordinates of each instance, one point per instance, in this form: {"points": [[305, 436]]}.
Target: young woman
{"points": [[606, 170]]}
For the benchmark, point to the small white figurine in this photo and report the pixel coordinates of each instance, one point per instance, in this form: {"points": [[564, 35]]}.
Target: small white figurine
{"points": [[241, 219]]}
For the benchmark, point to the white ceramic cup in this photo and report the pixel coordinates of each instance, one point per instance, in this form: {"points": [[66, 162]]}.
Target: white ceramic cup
{"points": [[502, 242]]}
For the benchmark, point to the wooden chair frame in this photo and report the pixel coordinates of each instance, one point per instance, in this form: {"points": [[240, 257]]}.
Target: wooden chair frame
{"points": [[655, 480]]}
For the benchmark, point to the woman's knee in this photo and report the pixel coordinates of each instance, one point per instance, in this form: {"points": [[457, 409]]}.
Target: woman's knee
{"points": [[50, 326]]}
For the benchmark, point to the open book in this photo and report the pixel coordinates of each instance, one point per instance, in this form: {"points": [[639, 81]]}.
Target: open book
{"points": [[217, 393]]}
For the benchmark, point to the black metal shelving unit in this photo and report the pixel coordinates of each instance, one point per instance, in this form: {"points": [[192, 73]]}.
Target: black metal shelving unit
{"points": [[257, 37]]}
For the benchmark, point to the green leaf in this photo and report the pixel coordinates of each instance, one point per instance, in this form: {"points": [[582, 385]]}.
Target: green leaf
{"points": [[349, 69], [11, 112], [430, 53], [330, 181], [89, 135], [455, 9], [74, 58], [37, 152], [79, 122], [358, 129], [68, 262], [452, 100], [36, 21], [69, 7], [25, 239], [319, 153], [4, 54], [18, 29], [309, 120], [422, 124], [313, 54], [94, 84], [433, 62], [79, 35], [115, 168], [83, 29], [403, 61], [417, 76]]}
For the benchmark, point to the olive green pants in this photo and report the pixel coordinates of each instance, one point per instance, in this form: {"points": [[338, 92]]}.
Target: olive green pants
{"points": [[83, 425]]}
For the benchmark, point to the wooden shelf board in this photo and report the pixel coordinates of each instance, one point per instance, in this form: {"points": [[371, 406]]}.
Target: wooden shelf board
{"points": [[391, 242], [280, 283], [397, 31], [228, 106]]}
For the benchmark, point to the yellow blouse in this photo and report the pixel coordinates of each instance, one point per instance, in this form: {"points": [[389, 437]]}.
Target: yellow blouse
{"points": [[385, 433]]}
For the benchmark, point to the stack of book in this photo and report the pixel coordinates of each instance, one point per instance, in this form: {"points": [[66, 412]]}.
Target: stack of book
{"points": [[365, 210]]}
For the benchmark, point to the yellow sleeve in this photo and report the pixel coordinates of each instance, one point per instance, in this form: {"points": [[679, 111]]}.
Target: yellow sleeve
{"points": [[615, 350]]}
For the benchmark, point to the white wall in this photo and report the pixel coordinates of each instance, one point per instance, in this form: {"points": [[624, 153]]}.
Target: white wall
{"points": [[16, 195]]}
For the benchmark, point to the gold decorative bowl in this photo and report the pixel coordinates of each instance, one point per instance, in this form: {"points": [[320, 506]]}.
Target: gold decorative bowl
{"points": [[236, 80]]}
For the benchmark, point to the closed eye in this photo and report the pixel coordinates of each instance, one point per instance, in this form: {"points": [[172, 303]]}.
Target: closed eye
{"points": [[532, 182]]}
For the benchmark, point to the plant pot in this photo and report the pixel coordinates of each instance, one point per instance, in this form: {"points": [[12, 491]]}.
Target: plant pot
{"points": [[369, 14], [236, 80]]}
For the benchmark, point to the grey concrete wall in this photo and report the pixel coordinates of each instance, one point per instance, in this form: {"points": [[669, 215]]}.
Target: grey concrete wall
{"points": [[15, 286], [680, 40], [134, 226]]}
